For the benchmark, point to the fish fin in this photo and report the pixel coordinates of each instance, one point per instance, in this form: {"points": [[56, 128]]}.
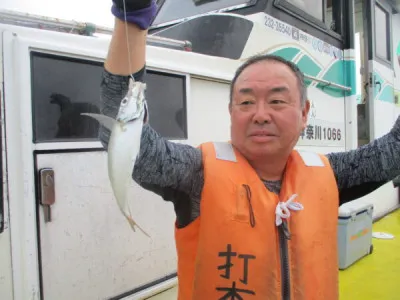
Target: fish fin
{"points": [[106, 121]]}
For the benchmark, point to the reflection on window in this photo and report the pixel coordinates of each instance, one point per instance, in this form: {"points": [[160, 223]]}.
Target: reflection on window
{"points": [[63, 88], [172, 10], [381, 33], [321, 12], [222, 36], [329, 16], [312, 7]]}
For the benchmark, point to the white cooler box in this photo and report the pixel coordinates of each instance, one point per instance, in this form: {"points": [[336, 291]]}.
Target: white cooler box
{"points": [[354, 232]]}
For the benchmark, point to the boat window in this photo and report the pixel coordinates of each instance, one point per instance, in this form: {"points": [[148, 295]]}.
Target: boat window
{"points": [[173, 10], [222, 36], [312, 7], [326, 14], [166, 94], [63, 88], [382, 33]]}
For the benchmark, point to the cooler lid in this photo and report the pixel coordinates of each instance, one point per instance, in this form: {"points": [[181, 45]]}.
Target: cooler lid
{"points": [[354, 207]]}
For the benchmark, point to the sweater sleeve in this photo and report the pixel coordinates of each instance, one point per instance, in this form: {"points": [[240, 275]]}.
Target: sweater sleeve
{"points": [[363, 170], [172, 170]]}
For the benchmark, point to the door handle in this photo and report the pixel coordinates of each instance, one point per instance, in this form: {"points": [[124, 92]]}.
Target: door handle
{"points": [[47, 191]]}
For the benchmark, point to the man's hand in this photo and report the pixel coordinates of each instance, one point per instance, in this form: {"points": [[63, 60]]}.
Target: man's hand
{"points": [[131, 29], [138, 12], [132, 5]]}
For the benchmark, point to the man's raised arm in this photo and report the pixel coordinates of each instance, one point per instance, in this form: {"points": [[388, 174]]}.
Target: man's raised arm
{"points": [[126, 54], [173, 171], [361, 171], [128, 41]]}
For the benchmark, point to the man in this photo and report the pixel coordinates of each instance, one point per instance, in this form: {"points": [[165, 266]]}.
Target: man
{"points": [[267, 227]]}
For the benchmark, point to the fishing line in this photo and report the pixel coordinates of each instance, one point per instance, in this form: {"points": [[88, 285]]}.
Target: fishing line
{"points": [[127, 42]]}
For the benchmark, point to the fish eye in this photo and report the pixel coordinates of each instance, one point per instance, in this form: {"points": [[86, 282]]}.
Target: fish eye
{"points": [[124, 101]]}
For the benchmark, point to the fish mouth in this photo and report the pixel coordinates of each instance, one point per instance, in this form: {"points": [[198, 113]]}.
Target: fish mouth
{"points": [[130, 118]]}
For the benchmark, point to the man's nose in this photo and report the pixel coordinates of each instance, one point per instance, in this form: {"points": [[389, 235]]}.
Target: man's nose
{"points": [[262, 113]]}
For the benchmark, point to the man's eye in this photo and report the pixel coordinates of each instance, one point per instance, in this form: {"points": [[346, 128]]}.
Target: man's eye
{"points": [[246, 102], [277, 101]]}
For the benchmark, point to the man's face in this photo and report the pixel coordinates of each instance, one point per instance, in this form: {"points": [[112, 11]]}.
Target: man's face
{"points": [[266, 113]]}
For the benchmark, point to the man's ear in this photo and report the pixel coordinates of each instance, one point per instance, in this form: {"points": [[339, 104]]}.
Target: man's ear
{"points": [[304, 113]]}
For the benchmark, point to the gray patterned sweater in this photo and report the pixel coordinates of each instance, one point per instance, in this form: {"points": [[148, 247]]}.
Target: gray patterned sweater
{"points": [[174, 171]]}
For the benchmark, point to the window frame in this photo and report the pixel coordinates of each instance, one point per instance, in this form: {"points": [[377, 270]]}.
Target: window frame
{"points": [[376, 56], [160, 4], [3, 209], [66, 58], [53, 144], [303, 16]]}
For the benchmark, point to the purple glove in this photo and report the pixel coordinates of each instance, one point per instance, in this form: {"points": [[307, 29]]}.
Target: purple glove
{"points": [[141, 17]]}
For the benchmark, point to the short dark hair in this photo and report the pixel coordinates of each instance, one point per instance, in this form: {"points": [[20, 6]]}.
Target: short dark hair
{"points": [[270, 57]]}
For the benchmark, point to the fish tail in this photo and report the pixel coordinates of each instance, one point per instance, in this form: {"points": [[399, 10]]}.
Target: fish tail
{"points": [[133, 224]]}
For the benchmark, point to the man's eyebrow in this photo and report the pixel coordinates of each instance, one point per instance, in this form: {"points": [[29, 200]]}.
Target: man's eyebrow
{"points": [[246, 90], [279, 89]]}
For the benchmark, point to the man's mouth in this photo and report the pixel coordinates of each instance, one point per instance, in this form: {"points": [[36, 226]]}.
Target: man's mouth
{"points": [[262, 133]]}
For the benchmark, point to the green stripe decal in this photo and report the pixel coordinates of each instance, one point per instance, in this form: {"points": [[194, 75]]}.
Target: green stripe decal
{"points": [[341, 72], [287, 53]]}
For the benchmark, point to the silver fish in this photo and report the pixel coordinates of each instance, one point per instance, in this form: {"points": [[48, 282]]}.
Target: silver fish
{"points": [[124, 143]]}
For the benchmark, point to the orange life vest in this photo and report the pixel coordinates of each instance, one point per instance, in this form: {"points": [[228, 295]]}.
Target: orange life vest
{"points": [[233, 247]]}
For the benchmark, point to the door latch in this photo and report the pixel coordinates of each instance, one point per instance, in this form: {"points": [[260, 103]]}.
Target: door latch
{"points": [[47, 191]]}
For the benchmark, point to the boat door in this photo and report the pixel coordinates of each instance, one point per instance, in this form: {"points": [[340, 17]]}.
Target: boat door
{"points": [[377, 110], [69, 238], [380, 105]]}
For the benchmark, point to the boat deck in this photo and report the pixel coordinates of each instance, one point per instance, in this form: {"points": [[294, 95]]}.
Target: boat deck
{"points": [[374, 276], [371, 278]]}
